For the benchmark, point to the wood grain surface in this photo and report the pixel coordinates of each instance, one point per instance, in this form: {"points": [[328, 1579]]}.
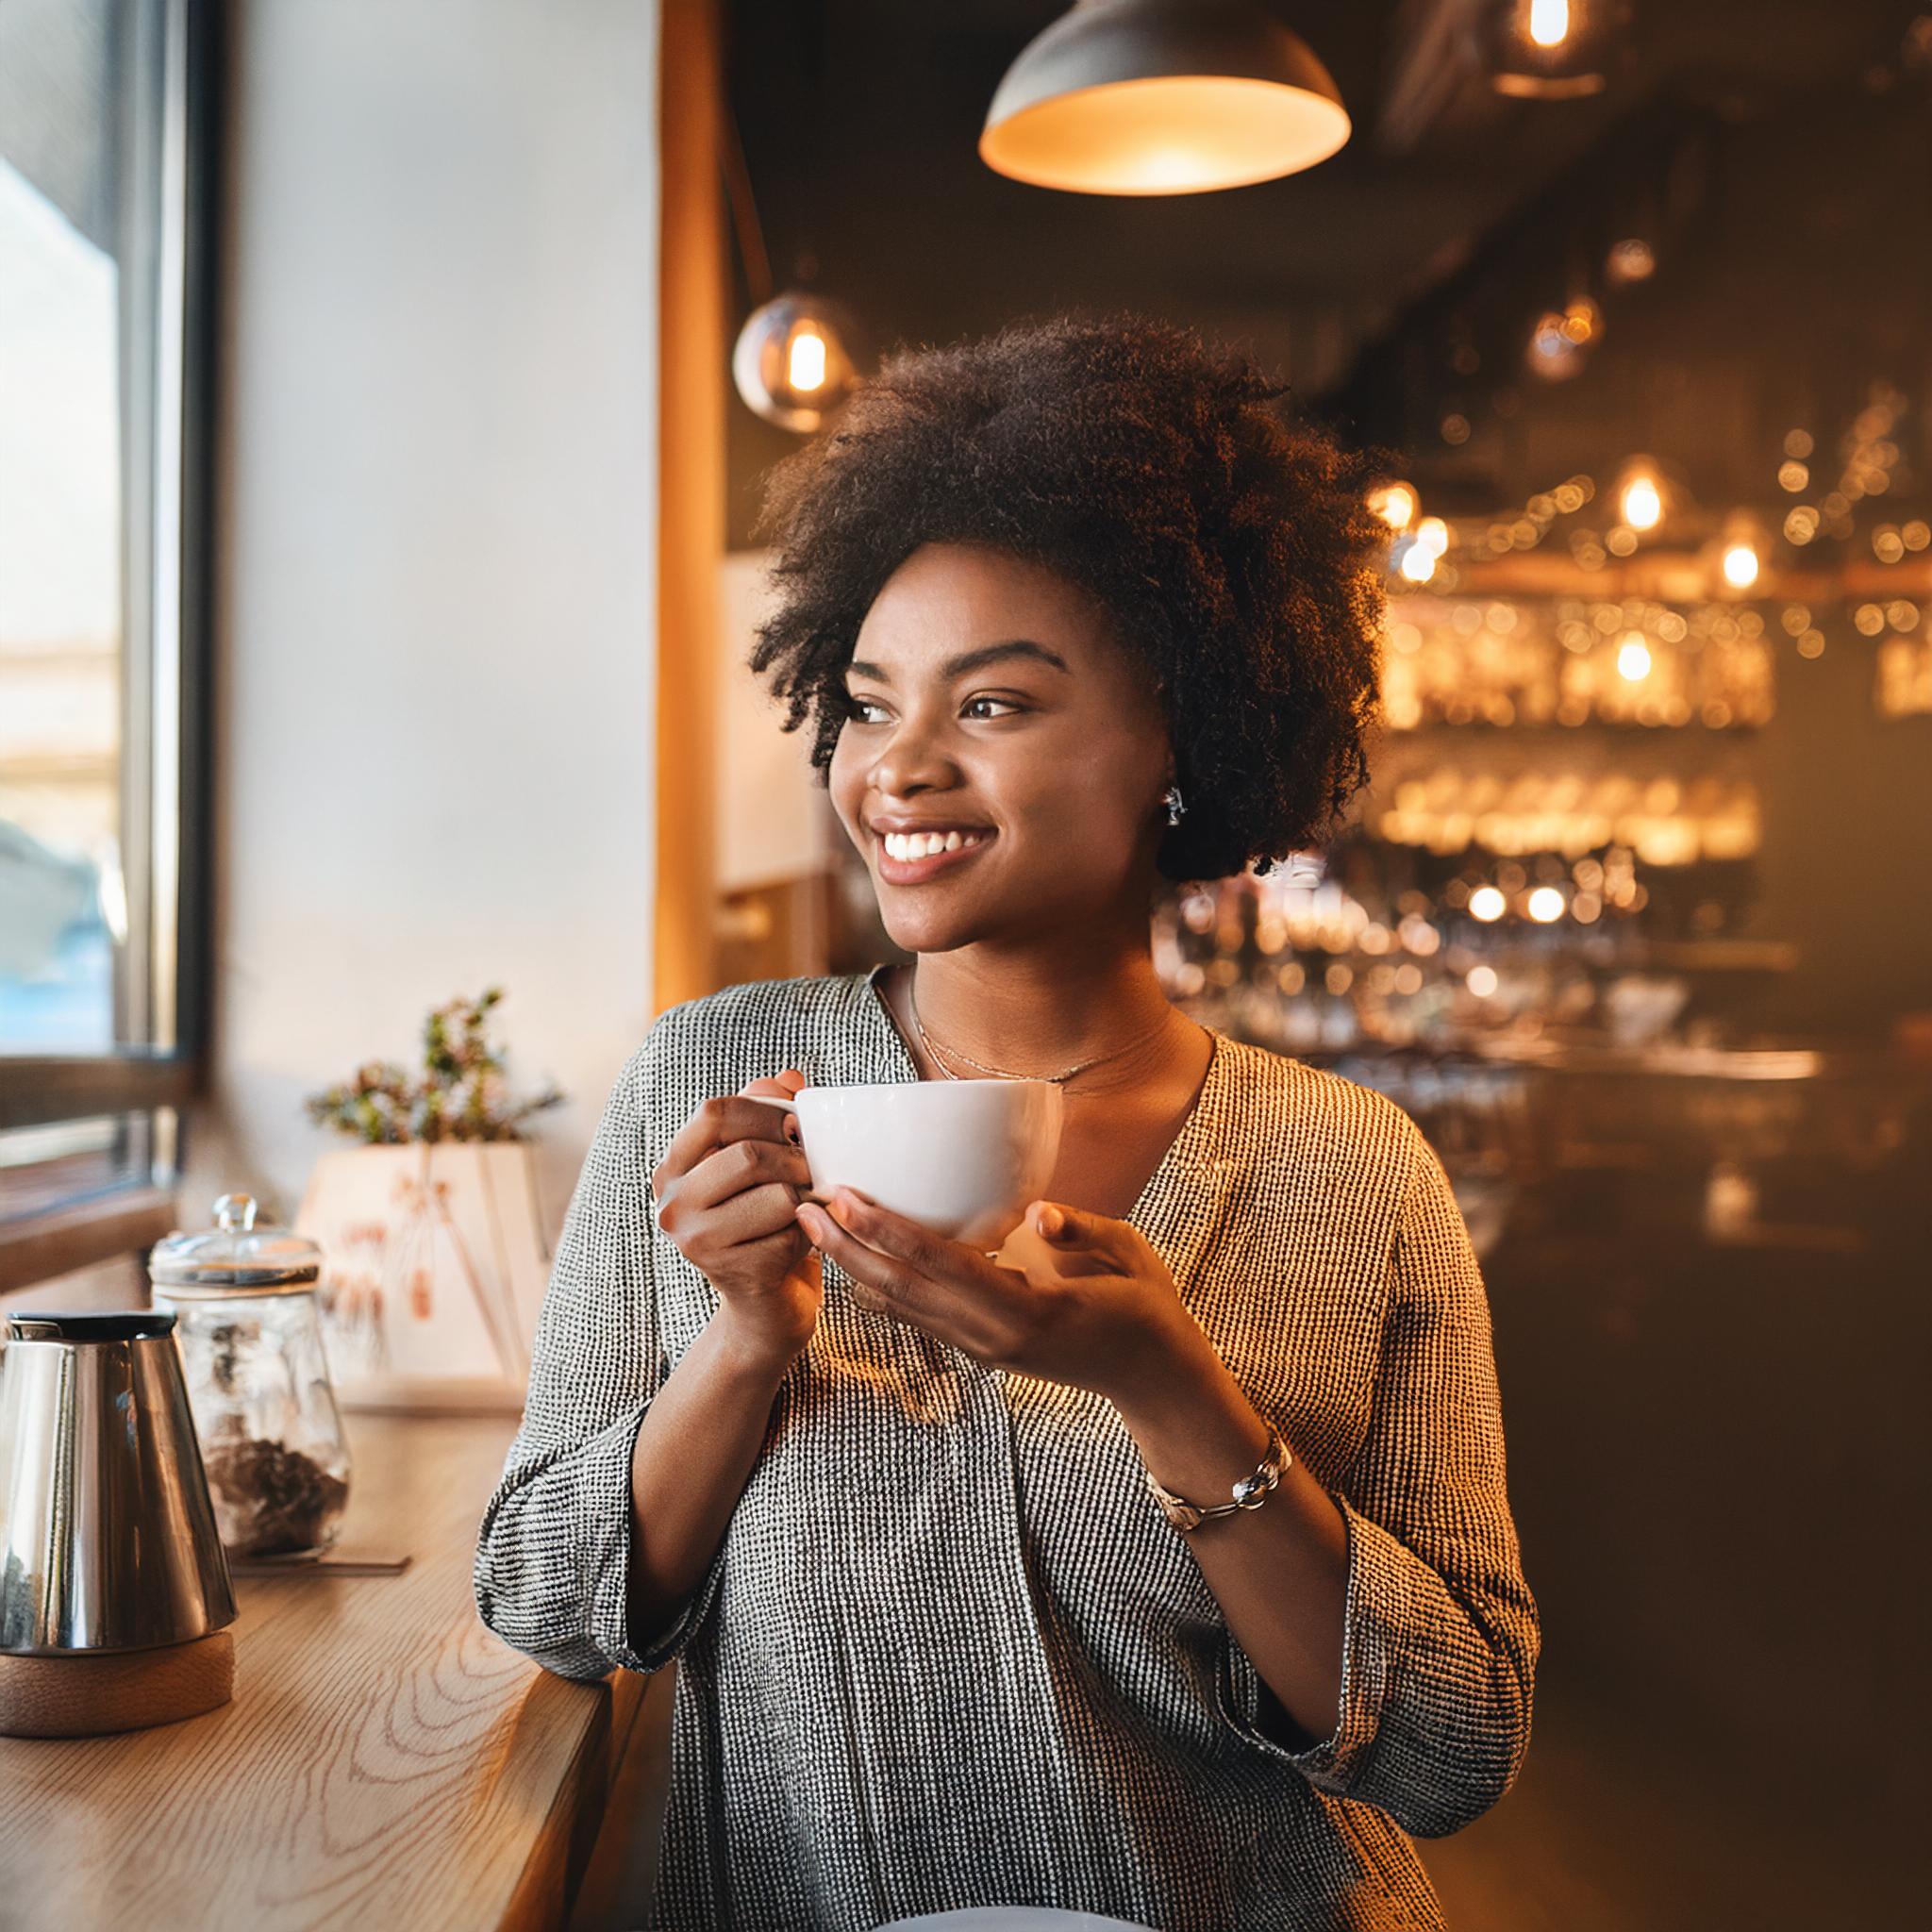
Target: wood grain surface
{"points": [[115, 1689], [385, 1761]]}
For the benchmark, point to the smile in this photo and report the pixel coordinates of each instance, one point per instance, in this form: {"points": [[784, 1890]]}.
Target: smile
{"points": [[908, 858]]}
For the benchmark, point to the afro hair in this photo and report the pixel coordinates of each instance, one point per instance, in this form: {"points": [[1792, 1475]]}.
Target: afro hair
{"points": [[1235, 552]]}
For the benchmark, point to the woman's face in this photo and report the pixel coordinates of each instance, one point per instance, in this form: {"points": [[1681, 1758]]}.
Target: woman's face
{"points": [[987, 695]]}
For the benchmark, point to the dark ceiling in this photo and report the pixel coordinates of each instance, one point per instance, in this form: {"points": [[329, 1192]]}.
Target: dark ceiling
{"points": [[858, 119]]}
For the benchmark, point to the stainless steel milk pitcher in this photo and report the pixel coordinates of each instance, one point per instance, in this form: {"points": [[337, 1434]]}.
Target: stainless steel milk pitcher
{"points": [[107, 1532]]}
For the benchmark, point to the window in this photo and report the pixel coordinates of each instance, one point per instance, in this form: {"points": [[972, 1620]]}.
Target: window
{"points": [[106, 172]]}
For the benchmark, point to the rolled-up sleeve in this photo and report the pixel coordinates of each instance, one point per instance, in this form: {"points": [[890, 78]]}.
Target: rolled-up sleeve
{"points": [[1440, 1634], [552, 1555]]}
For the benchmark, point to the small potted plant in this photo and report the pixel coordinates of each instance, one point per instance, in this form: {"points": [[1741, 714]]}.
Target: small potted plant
{"points": [[431, 1228]]}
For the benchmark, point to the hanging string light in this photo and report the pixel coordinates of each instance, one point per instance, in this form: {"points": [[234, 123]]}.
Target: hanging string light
{"points": [[1630, 261], [1640, 496], [1551, 50], [1742, 549], [1395, 503], [1416, 552], [793, 361], [790, 362], [1740, 564]]}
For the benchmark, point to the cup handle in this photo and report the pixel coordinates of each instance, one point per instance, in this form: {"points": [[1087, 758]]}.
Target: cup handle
{"points": [[791, 1106], [765, 1100]]}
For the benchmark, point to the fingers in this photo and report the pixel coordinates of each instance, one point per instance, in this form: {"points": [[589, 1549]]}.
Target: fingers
{"points": [[1052, 1242], [735, 1230], [912, 1272], [1068, 1230], [741, 1165], [735, 1193], [724, 1119], [883, 1283]]}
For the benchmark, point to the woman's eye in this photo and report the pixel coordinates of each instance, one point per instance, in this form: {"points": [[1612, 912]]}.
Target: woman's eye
{"points": [[854, 707]]}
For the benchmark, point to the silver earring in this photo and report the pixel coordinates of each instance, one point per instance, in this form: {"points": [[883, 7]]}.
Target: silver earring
{"points": [[1172, 798]]}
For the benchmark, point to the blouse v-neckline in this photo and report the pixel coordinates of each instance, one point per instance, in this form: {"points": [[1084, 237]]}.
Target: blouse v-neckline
{"points": [[1188, 1150]]}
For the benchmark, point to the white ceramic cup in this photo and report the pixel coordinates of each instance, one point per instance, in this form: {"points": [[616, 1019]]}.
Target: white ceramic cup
{"points": [[962, 1158]]}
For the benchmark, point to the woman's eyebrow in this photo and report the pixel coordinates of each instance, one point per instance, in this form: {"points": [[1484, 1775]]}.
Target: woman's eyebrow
{"points": [[974, 659]]}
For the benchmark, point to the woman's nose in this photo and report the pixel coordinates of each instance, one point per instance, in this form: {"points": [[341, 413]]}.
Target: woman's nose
{"points": [[916, 761]]}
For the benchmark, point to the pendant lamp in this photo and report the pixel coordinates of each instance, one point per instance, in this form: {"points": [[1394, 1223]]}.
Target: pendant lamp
{"points": [[1162, 97], [791, 361], [796, 357], [1552, 50]]}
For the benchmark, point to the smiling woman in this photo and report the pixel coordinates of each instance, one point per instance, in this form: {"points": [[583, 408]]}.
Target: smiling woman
{"points": [[1229, 552], [1160, 1563], [1017, 738]]}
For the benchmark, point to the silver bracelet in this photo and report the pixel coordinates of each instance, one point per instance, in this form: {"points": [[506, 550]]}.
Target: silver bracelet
{"points": [[1249, 1494]]}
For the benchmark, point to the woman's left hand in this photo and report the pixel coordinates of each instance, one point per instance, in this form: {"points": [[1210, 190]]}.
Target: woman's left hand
{"points": [[1074, 1297]]}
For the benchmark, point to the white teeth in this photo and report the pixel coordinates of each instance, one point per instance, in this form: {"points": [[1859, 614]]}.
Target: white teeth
{"points": [[904, 845]]}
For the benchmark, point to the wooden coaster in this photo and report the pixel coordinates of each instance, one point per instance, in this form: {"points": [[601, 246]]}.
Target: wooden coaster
{"points": [[345, 1559], [88, 1692]]}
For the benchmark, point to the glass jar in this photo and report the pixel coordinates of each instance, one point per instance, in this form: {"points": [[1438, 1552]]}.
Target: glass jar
{"points": [[245, 1317]]}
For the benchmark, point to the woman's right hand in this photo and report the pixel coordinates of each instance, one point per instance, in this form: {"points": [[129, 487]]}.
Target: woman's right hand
{"points": [[726, 1191]]}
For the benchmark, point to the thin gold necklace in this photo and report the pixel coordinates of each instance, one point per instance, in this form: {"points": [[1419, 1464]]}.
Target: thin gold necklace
{"points": [[1000, 1072]]}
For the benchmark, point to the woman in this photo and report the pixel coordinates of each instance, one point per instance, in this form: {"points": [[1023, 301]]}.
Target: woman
{"points": [[1076, 602]]}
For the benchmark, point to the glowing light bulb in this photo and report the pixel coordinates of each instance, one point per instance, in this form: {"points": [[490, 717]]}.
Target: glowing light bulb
{"points": [[1632, 260], [1549, 22], [805, 363], [1582, 320], [1641, 504], [1633, 659], [1546, 904], [1740, 566], [1486, 903], [1395, 504], [793, 360], [1432, 534], [1481, 981]]}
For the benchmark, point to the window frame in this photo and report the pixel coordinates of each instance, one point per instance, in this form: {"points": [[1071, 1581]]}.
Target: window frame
{"points": [[172, 654]]}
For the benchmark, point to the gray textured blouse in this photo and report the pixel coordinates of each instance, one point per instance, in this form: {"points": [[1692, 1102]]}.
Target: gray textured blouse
{"points": [[949, 1652]]}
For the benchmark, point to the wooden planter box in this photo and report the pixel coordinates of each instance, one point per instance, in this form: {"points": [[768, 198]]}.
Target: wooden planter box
{"points": [[434, 1267]]}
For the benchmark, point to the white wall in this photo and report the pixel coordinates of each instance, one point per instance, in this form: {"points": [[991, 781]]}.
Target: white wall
{"points": [[436, 556]]}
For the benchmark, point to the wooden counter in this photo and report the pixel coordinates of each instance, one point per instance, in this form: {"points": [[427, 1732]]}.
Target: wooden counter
{"points": [[386, 1761]]}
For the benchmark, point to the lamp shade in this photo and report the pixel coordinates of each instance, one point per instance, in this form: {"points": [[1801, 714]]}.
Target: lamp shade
{"points": [[1162, 97]]}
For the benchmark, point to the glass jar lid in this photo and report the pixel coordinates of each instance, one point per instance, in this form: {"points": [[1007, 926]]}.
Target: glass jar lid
{"points": [[235, 1254]]}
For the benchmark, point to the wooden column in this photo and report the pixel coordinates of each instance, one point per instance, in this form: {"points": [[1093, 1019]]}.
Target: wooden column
{"points": [[693, 351]]}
